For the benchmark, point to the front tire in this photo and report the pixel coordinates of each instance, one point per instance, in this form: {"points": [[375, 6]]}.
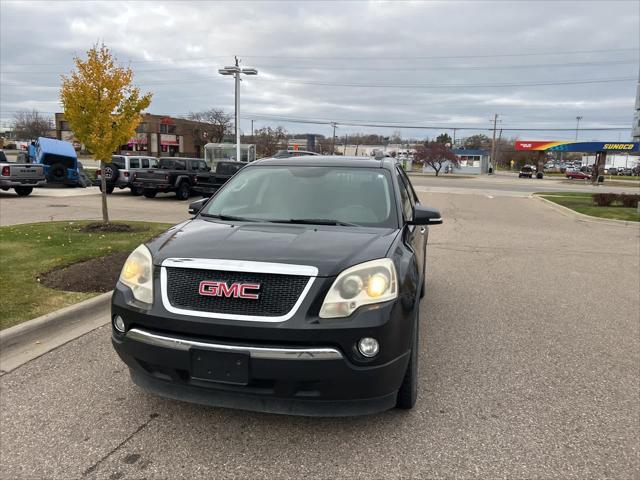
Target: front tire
{"points": [[150, 193], [23, 191], [408, 392]]}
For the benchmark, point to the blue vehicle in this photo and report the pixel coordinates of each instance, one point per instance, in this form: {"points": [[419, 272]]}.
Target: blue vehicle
{"points": [[59, 159]]}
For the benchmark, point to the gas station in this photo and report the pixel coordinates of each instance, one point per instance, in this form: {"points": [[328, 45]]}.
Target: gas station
{"points": [[599, 148]]}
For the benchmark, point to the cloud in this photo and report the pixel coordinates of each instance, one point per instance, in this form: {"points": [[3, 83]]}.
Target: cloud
{"points": [[175, 49]]}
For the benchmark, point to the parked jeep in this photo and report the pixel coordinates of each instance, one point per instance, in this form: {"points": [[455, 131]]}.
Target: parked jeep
{"points": [[58, 158], [22, 177], [119, 173], [208, 183], [174, 174]]}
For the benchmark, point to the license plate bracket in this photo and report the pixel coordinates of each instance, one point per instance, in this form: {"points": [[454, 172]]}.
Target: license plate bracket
{"points": [[221, 367]]}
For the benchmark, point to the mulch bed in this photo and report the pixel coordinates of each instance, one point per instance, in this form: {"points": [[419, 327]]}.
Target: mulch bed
{"points": [[95, 275], [111, 227]]}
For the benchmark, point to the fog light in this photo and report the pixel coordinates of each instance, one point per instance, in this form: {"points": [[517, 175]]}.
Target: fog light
{"points": [[118, 324], [368, 347]]}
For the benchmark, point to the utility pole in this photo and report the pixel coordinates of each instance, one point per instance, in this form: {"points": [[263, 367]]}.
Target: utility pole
{"points": [[333, 139], [493, 143], [454, 138], [252, 130], [577, 126]]}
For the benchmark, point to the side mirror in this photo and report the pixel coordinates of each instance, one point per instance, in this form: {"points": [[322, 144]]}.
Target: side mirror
{"points": [[195, 207], [425, 216]]}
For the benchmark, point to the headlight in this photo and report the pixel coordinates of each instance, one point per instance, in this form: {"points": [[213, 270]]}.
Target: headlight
{"points": [[137, 274], [364, 284]]}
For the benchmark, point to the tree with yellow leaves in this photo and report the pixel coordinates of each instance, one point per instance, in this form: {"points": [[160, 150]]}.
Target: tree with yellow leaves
{"points": [[102, 106]]}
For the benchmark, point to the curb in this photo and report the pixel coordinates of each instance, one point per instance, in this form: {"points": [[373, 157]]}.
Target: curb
{"points": [[586, 218], [31, 339]]}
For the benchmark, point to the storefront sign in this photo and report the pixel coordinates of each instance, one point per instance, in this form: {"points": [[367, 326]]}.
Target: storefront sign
{"points": [[577, 146], [166, 139]]}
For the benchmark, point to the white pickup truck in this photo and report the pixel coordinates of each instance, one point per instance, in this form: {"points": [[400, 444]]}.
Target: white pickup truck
{"points": [[22, 177]]}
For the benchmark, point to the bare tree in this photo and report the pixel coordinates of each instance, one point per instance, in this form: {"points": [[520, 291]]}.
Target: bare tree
{"points": [[31, 124], [215, 124], [269, 140], [435, 154]]}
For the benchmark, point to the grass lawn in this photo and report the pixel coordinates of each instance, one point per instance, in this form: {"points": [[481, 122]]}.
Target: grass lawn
{"points": [[26, 251], [583, 203]]}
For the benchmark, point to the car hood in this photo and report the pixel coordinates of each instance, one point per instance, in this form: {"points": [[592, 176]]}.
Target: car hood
{"points": [[330, 249]]}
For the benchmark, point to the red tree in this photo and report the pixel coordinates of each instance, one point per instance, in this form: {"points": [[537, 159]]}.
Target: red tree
{"points": [[435, 154]]}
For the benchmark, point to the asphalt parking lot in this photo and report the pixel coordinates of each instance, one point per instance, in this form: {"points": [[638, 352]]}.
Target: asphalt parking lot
{"points": [[46, 204], [530, 354]]}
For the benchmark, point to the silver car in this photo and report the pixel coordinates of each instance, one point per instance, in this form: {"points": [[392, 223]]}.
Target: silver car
{"points": [[119, 173]]}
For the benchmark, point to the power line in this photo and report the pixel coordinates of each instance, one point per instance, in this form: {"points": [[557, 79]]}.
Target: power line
{"points": [[372, 57], [455, 85], [374, 124], [382, 85], [373, 69], [493, 55]]}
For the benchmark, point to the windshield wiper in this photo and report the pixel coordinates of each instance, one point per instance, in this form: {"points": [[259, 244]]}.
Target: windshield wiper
{"points": [[316, 221], [229, 217]]}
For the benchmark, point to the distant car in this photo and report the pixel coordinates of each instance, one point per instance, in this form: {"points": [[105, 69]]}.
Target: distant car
{"points": [[293, 153], [120, 172], [577, 174], [613, 171], [527, 171]]}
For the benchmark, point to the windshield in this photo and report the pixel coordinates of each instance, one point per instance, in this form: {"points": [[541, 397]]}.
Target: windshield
{"points": [[302, 194]]}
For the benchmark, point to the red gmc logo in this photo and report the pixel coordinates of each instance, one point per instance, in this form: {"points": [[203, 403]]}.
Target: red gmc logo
{"points": [[235, 290]]}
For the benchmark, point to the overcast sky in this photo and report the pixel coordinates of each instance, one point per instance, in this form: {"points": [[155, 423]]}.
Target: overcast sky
{"points": [[450, 64]]}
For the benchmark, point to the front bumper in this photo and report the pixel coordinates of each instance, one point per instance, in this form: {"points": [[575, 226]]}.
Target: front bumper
{"points": [[315, 381], [300, 366]]}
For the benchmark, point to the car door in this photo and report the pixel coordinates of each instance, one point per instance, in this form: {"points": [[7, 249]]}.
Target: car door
{"points": [[415, 235]]}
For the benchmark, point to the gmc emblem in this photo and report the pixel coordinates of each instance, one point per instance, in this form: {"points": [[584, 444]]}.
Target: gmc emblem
{"points": [[235, 290]]}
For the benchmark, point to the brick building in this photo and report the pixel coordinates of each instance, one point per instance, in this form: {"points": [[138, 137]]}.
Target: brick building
{"points": [[157, 135]]}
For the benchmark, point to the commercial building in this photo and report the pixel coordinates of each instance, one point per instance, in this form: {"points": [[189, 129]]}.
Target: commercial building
{"points": [[157, 135]]}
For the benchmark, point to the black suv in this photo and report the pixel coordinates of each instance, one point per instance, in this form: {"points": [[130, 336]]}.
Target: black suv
{"points": [[294, 289]]}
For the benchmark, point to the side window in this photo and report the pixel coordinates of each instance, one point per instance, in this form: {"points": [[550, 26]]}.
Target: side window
{"points": [[134, 163], [412, 192], [153, 163], [405, 196], [203, 165], [118, 161], [144, 162]]}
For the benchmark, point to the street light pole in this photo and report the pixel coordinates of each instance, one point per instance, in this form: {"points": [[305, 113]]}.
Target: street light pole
{"points": [[236, 71], [237, 109]]}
